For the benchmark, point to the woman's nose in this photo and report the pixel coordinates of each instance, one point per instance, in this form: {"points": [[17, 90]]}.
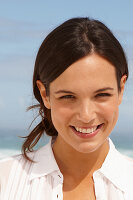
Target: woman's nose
{"points": [[86, 112]]}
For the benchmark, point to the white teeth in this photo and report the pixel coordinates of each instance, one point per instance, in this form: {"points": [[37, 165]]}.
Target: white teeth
{"points": [[88, 130]]}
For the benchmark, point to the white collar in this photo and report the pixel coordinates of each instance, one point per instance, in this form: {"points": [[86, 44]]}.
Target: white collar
{"points": [[115, 168], [45, 162]]}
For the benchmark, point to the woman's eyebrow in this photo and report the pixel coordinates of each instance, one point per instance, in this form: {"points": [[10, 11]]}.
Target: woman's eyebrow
{"points": [[104, 89], [69, 92], [63, 91]]}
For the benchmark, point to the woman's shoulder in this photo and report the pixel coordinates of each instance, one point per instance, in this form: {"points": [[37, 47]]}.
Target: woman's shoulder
{"points": [[6, 165], [126, 170], [13, 171], [11, 165], [9, 160], [128, 159], [17, 162], [126, 167]]}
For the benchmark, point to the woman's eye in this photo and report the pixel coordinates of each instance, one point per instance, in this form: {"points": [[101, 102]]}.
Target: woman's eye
{"points": [[67, 97], [103, 95]]}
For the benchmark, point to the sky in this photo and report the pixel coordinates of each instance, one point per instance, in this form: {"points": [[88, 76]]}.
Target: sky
{"points": [[24, 25]]}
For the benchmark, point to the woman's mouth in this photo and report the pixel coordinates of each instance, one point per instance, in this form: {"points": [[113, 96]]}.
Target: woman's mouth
{"points": [[87, 132]]}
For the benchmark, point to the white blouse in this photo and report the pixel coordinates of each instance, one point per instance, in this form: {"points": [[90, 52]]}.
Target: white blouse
{"points": [[42, 180]]}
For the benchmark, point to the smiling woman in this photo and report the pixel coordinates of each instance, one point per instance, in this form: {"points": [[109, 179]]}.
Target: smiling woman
{"points": [[90, 108], [79, 78]]}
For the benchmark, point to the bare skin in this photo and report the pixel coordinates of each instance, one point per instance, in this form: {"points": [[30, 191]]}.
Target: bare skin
{"points": [[78, 190], [78, 179]]}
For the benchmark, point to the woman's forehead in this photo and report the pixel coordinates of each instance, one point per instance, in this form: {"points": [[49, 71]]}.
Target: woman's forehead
{"points": [[91, 70]]}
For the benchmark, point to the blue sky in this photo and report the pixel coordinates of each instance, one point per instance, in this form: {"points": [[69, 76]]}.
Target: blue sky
{"points": [[24, 25]]}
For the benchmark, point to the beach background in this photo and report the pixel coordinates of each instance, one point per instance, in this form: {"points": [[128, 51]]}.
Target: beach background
{"points": [[23, 26], [10, 143]]}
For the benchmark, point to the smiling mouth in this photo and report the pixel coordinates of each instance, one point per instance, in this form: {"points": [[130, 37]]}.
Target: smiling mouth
{"points": [[87, 130]]}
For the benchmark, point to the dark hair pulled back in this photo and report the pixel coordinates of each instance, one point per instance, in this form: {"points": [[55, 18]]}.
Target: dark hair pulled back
{"points": [[72, 40]]}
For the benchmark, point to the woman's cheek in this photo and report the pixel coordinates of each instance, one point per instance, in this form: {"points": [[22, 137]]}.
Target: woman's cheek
{"points": [[109, 110], [61, 113]]}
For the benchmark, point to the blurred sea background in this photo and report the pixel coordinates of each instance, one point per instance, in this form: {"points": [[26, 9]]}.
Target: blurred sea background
{"points": [[10, 143], [23, 26]]}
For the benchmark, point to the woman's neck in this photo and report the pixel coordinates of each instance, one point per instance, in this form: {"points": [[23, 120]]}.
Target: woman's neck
{"points": [[76, 164]]}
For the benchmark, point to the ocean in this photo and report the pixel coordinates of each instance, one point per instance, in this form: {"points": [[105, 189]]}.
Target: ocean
{"points": [[11, 142]]}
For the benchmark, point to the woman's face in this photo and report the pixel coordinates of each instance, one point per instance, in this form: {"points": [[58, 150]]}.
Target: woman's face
{"points": [[84, 102]]}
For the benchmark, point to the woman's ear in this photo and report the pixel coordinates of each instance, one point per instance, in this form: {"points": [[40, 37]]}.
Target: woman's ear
{"points": [[42, 90], [122, 86]]}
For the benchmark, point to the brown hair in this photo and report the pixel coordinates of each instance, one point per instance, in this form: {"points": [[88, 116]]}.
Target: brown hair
{"points": [[66, 44]]}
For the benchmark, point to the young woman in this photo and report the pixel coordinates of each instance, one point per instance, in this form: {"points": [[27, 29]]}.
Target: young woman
{"points": [[79, 78]]}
